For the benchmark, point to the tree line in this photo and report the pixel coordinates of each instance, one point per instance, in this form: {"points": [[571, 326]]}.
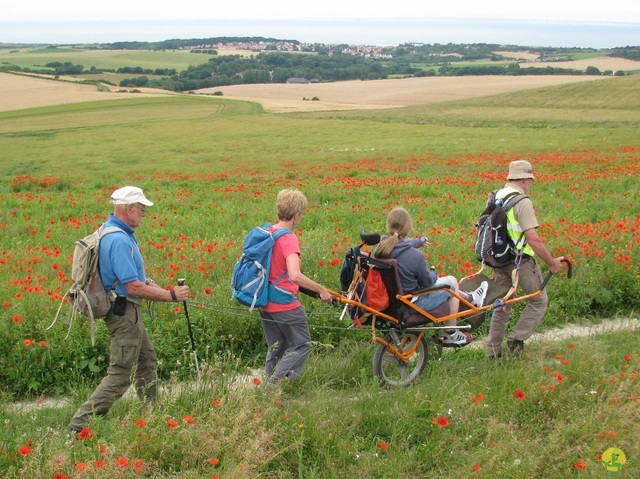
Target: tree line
{"points": [[279, 67]]}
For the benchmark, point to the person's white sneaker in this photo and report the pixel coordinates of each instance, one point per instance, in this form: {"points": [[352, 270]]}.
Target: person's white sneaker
{"points": [[479, 294], [456, 338]]}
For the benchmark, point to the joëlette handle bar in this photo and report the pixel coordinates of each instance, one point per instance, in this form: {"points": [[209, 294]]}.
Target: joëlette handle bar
{"points": [[569, 273], [315, 295], [308, 292]]}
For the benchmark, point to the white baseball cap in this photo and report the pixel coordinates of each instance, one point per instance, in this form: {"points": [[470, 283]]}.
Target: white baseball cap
{"points": [[128, 195]]}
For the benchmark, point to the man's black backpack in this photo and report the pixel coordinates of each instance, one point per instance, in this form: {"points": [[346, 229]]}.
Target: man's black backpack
{"points": [[493, 245]]}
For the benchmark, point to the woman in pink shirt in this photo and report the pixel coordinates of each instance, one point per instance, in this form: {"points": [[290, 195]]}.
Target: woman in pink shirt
{"points": [[285, 323]]}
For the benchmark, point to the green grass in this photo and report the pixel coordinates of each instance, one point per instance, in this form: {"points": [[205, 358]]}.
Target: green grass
{"points": [[118, 112], [580, 399], [612, 103], [213, 167], [104, 59]]}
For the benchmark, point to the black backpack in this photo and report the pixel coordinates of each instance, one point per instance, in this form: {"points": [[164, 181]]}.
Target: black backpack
{"points": [[355, 267], [493, 245]]}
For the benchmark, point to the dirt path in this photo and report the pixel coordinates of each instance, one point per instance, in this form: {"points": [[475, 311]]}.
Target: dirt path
{"points": [[246, 380]]}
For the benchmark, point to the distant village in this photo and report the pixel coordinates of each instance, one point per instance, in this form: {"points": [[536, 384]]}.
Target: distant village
{"points": [[373, 51]]}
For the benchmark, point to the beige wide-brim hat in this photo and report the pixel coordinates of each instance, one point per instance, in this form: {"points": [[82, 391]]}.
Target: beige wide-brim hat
{"points": [[520, 170], [128, 195]]}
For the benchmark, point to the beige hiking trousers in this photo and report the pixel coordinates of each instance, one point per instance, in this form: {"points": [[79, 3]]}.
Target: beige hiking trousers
{"points": [[530, 279], [132, 356]]}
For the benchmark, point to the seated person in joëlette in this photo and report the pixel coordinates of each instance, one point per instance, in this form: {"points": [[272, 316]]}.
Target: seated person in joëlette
{"points": [[415, 274]]}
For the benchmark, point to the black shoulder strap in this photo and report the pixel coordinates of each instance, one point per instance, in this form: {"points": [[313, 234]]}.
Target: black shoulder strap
{"points": [[512, 199]]}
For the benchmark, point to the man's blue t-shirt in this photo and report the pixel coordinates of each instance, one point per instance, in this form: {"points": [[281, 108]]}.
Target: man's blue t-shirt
{"points": [[120, 258]]}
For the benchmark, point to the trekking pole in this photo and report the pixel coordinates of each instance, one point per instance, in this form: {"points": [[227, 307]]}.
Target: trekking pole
{"points": [[193, 343]]}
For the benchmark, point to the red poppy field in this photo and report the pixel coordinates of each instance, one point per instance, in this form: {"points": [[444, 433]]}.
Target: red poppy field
{"points": [[197, 232], [214, 177]]}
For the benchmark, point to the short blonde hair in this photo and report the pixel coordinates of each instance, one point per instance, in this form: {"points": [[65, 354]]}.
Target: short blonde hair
{"points": [[290, 202], [399, 225]]}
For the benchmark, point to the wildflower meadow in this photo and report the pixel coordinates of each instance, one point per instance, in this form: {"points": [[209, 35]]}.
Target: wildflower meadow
{"points": [[213, 168]]}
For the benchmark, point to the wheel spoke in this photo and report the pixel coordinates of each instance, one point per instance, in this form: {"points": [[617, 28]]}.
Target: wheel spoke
{"points": [[391, 359], [393, 371]]}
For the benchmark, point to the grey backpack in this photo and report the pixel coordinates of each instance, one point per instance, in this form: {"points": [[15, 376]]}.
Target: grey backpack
{"points": [[87, 293]]}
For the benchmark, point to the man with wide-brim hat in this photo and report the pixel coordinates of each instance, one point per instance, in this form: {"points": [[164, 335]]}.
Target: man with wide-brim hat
{"points": [[522, 226], [520, 170]]}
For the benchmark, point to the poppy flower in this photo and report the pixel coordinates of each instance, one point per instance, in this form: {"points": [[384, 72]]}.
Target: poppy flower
{"points": [[383, 446], [440, 421], [85, 433], [478, 398], [214, 461], [141, 423], [520, 394], [580, 465], [82, 466], [99, 464], [16, 318], [627, 357], [172, 423], [123, 462], [256, 382], [189, 420], [24, 450]]}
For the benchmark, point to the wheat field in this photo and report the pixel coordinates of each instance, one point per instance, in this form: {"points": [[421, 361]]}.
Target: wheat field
{"points": [[19, 92]]}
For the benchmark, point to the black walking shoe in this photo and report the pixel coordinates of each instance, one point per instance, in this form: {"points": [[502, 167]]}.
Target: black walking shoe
{"points": [[516, 347]]}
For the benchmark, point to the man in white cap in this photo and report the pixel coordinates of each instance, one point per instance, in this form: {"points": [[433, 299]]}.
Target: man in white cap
{"points": [[121, 268], [521, 224]]}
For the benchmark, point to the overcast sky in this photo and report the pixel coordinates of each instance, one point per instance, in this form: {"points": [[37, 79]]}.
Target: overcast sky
{"points": [[573, 10], [86, 20]]}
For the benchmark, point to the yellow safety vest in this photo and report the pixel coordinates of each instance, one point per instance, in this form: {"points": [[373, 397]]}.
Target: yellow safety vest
{"points": [[513, 227]]}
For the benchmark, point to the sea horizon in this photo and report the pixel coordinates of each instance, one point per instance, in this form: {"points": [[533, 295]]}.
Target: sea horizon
{"points": [[597, 35]]}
